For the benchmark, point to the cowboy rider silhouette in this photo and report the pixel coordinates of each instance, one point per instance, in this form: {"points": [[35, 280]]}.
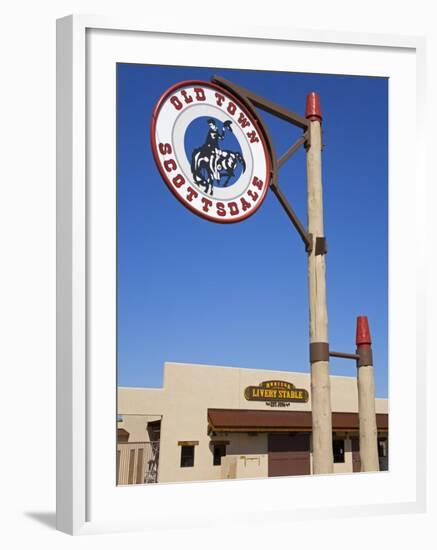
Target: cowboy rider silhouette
{"points": [[211, 147]]}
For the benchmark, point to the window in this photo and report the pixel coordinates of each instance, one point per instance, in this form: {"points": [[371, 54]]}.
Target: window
{"points": [[187, 456], [382, 448], [338, 449], [219, 451]]}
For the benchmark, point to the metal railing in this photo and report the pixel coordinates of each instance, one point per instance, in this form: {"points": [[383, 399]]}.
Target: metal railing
{"points": [[152, 463]]}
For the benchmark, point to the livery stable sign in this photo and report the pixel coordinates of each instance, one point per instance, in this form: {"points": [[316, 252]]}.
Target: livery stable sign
{"points": [[210, 151], [276, 393]]}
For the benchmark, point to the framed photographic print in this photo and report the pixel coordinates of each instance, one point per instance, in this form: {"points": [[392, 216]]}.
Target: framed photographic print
{"points": [[237, 320]]}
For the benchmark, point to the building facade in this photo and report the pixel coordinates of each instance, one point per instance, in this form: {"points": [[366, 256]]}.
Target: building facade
{"points": [[210, 423]]}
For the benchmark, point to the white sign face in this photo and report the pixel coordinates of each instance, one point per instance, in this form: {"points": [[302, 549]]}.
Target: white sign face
{"points": [[210, 151]]}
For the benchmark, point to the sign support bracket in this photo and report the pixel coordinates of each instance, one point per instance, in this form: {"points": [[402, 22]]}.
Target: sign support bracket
{"points": [[306, 237], [253, 100]]}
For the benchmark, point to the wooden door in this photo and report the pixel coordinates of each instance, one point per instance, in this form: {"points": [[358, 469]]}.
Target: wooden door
{"points": [[289, 454]]}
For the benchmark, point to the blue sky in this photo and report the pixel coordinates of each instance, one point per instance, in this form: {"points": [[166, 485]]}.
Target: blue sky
{"points": [[193, 291]]}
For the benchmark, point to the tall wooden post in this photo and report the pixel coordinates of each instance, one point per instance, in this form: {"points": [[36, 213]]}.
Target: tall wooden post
{"points": [[319, 348], [366, 399]]}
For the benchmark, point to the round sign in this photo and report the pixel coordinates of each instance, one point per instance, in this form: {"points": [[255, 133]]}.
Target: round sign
{"points": [[210, 151]]}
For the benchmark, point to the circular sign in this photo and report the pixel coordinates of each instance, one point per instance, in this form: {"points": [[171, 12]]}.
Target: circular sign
{"points": [[210, 151]]}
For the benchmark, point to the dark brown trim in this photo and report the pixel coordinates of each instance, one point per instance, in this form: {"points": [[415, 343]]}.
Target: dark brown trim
{"points": [[188, 443], [122, 435], [343, 355], [306, 237], [321, 246], [261, 430], [244, 420], [291, 150], [365, 356], [319, 351]]}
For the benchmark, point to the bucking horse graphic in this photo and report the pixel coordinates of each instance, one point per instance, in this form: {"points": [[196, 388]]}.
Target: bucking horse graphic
{"points": [[210, 164]]}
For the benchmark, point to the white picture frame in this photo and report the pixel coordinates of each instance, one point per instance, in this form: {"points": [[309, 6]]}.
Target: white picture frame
{"points": [[84, 506]]}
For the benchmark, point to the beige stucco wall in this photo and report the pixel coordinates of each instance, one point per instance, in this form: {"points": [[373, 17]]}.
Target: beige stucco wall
{"points": [[247, 455], [190, 390]]}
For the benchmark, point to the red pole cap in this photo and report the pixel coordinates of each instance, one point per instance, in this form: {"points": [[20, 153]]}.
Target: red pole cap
{"points": [[313, 111], [363, 332]]}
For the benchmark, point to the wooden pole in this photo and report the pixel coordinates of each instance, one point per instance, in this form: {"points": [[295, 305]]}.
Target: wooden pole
{"points": [[366, 399], [319, 349]]}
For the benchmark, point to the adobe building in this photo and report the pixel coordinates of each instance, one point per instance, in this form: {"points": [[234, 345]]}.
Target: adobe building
{"points": [[210, 423]]}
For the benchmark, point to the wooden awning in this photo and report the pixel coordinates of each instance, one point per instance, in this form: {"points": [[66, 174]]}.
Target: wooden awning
{"points": [[122, 435], [238, 420]]}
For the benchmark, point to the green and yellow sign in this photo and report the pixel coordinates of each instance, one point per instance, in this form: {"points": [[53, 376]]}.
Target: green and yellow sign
{"points": [[276, 393]]}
